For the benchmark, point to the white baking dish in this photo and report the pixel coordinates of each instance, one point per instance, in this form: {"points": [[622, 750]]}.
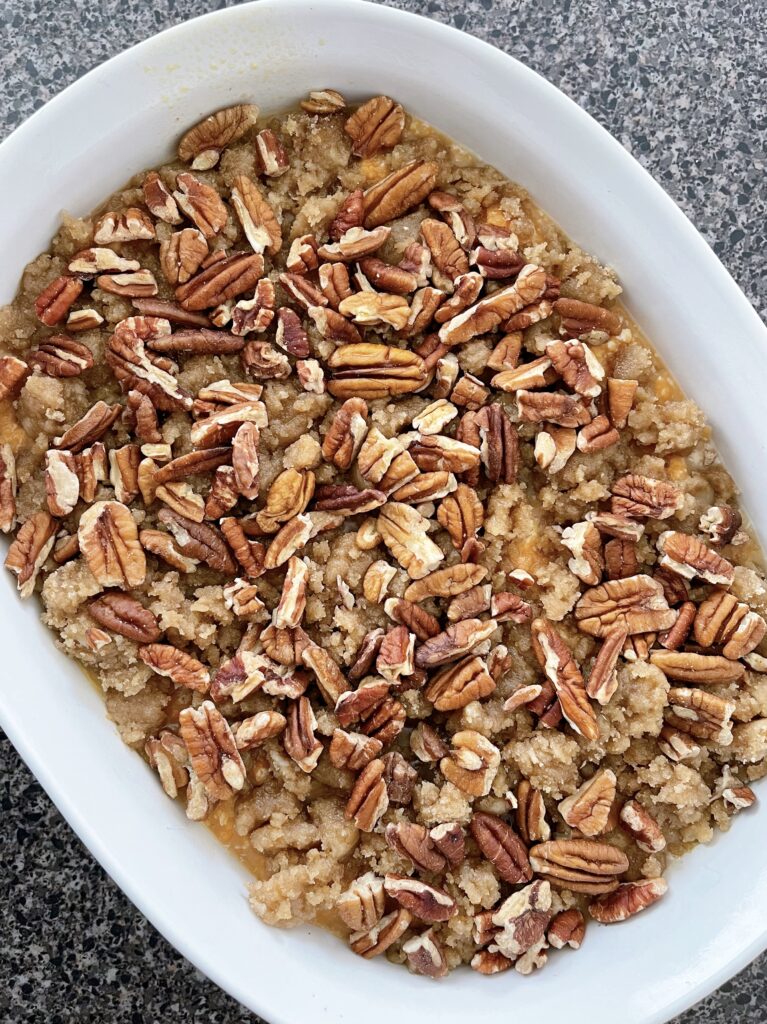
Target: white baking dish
{"points": [[122, 117]]}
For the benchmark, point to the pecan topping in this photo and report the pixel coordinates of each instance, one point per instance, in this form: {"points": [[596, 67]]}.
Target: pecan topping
{"points": [[366, 655], [221, 281], [398, 192], [371, 308], [552, 407], [180, 667], [346, 433], [353, 750], [84, 320], [585, 542], [54, 302], [89, 428], [204, 461], [29, 550], [199, 540], [437, 453], [531, 814], [129, 225], [257, 729], [621, 559], [159, 200], [256, 216], [581, 865], [290, 334], [426, 744], [354, 244], [578, 367], [423, 901], [212, 750], [288, 540], [138, 370], [13, 373], [413, 841], [567, 928], [369, 798], [60, 356], [404, 532], [501, 845], [536, 374], [123, 614], [377, 939], [417, 619], [376, 580], [490, 312], [376, 125], [108, 539], [425, 487], [62, 484], [89, 262], [328, 675], [642, 827], [202, 204], [462, 515], [620, 398], [446, 582], [203, 144], [722, 619], [300, 742], [446, 252], [639, 497], [486, 962], [588, 809], [182, 255], [603, 678], [372, 371], [425, 955], [705, 716], [272, 158], [556, 660], [472, 763], [290, 493], [500, 444], [457, 640], [162, 545], [627, 900], [522, 920], [721, 523], [7, 488], [386, 278], [363, 903], [458, 685], [689, 557], [691, 667], [582, 318], [290, 609], [636, 603], [553, 447]]}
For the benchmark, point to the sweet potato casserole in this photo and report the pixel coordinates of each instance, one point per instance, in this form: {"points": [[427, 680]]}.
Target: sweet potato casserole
{"points": [[398, 555]]}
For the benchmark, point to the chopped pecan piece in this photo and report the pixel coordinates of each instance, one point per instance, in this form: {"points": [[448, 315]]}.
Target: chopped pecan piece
{"points": [[199, 540], [60, 356], [376, 580], [722, 619], [369, 798], [588, 809], [212, 750], [446, 582], [417, 619], [353, 750], [159, 200], [272, 158], [721, 523], [490, 312], [621, 559], [461, 514], [257, 729], [404, 532], [425, 955], [13, 373], [290, 609], [585, 542], [522, 920], [472, 764], [552, 407], [531, 814], [129, 225], [374, 941], [202, 204], [642, 827], [578, 367], [603, 678], [162, 545], [567, 928], [7, 488], [641, 497], [553, 447], [289, 494], [425, 902], [300, 742]]}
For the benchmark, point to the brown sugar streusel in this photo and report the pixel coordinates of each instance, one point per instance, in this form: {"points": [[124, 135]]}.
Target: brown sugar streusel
{"points": [[398, 555]]}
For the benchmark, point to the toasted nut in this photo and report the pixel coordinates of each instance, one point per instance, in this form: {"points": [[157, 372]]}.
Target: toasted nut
{"points": [[323, 101], [642, 827], [353, 750], [636, 603], [84, 320], [582, 318], [721, 523], [581, 865], [159, 200], [199, 540], [272, 158], [522, 920], [13, 373], [460, 684], [54, 302], [212, 750], [490, 312], [705, 716], [722, 619], [376, 940], [446, 582], [578, 367], [180, 667], [363, 903], [567, 928], [369, 799], [376, 580], [620, 559], [677, 745], [398, 192], [30, 549], [425, 955], [472, 763], [588, 809], [700, 669], [487, 962], [603, 678], [374, 371], [123, 614], [457, 640], [299, 740], [426, 902], [108, 539], [553, 447], [585, 542], [531, 814], [556, 660], [376, 125], [620, 398], [417, 619], [404, 532], [128, 225], [257, 729], [461, 514], [203, 144], [221, 281], [597, 435], [628, 899], [290, 493], [689, 557], [500, 844], [640, 496]]}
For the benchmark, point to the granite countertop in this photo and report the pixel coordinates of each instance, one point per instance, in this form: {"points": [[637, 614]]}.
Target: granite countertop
{"points": [[682, 86]]}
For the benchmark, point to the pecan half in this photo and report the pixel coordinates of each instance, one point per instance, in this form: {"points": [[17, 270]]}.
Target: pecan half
{"points": [[256, 216], [640, 497], [376, 125], [159, 200], [460, 684], [426, 902], [531, 814], [200, 541], [567, 928], [129, 225], [413, 841], [29, 550], [108, 539], [203, 144], [362, 905], [689, 557], [201, 203], [138, 370], [556, 660], [581, 865], [628, 899], [620, 399], [552, 407], [182, 255], [578, 367], [398, 192], [417, 619], [272, 158], [180, 667], [89, 428], [583, 318], [522, 920], [721, 523], [501, 845], [353, 750], [369, 799], [446, 582], [722, 619], [636, 603], [457, 640], [60, 356], [705, 716], [54, 302], [372, 371], [603, 678], [472, 764], [257, 729], [490, 312], [377, 939], [700, 669], [299, 740], [500, 444], [289, 494], [588, 809], [212, 750], [123, 614], [221, 281]]}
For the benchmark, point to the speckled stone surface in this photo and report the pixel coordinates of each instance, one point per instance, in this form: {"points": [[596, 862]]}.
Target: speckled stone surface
{"points": [[681, 83]]}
